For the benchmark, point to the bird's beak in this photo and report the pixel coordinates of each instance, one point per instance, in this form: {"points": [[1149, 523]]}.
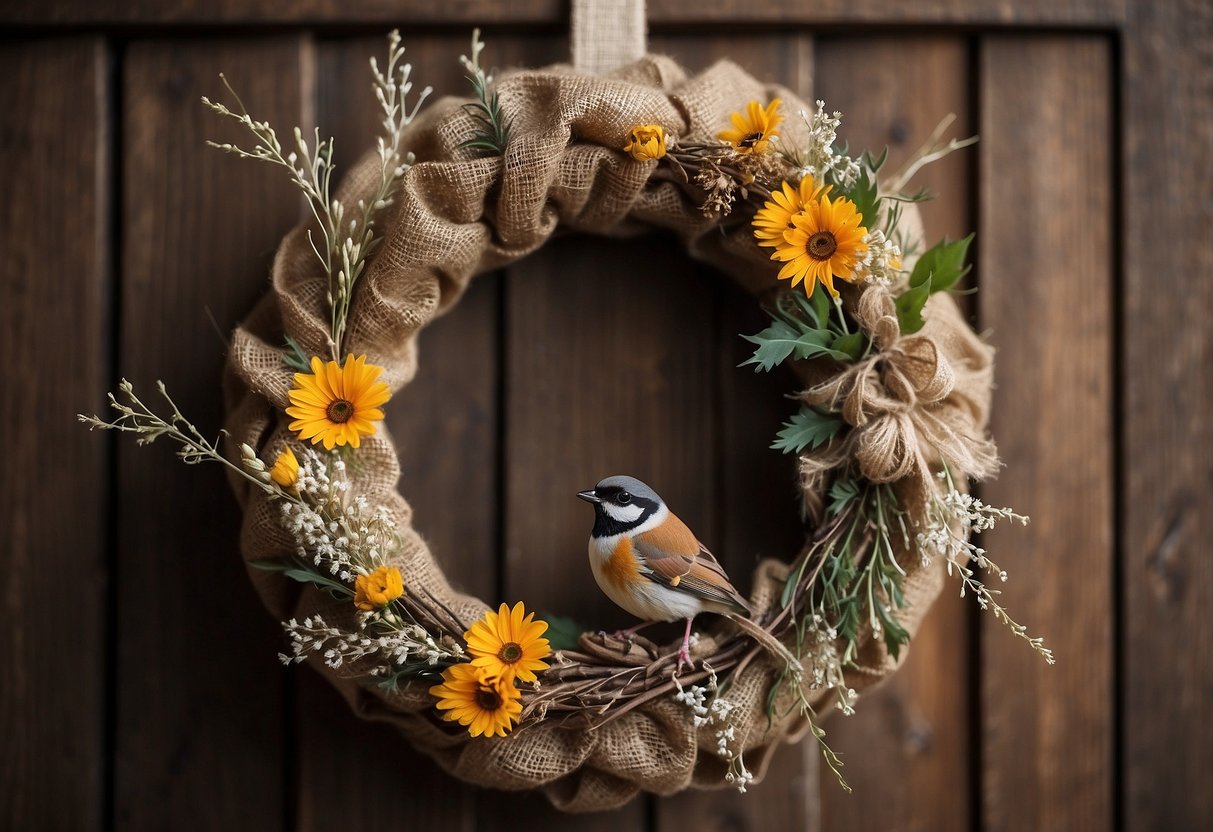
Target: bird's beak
{"points": [[589, 496]]}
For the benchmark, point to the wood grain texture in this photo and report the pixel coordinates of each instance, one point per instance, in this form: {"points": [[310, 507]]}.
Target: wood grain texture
{"points": [[445, 427], [1167, 440], [609, 372], [909, 737], [555, 13], [1046, 280], [54, 337], [200, 697], [755, 514]]}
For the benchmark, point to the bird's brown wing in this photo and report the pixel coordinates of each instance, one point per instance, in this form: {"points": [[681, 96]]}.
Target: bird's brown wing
{"points": [[672, 556]]}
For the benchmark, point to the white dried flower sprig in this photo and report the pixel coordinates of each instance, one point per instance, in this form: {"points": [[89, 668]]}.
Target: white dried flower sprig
{"points": [[881, 260], [822, 646], [386, 650], [136, 417], [342, 536], [817, 158], [346, 245], [708, 708], [957, 510]]}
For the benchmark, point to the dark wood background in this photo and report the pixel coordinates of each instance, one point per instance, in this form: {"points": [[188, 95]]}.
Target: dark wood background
{"points": [[138, 686]]}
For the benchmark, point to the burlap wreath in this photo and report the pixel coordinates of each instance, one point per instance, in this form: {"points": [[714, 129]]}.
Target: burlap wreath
{"points": [[919, 399]]}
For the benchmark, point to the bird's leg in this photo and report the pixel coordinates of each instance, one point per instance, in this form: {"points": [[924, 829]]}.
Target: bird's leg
{"points": [[627, 633], [684, 652]]}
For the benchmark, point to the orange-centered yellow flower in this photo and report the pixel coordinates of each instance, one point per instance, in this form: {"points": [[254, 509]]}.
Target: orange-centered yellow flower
{"points": [[286, 469], [646, 141], [825, 241], [775, 216], [507, 643], [378, 589], [337, 405], [752, 132], [485, 704]]}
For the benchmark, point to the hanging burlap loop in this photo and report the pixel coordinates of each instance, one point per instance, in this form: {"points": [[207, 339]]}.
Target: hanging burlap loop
{"points": [[455, 216]]}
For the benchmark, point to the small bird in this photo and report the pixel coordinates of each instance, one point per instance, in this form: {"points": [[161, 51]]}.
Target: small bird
{"points": [[647, 561]]}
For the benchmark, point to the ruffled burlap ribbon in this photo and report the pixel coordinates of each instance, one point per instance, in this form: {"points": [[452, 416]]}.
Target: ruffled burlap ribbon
{"points": [[917, 402], [456, 216]]}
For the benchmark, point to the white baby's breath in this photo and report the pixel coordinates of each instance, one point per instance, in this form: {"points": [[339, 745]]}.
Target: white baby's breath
{"points": [[818, 157], [952, 519]]}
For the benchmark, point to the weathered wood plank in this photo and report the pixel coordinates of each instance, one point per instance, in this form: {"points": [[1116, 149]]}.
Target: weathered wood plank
{"points": [[555, 13], [1047, 288], [54, 335], [199, 713], [1167, 441], [909, 737], [445, 427], [756, 512], [610, 372]]}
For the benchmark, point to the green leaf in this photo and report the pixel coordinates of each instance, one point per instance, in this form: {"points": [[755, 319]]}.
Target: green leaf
{"points": [[780, 341], [875, 163], [842, 492], [865, 194], [821, 305], [807, 429], [294, 356], [304, 573], [775, 344], [789, 586], [943, 264], [894, 634], [851, 345], [909, 307], [562, 633]]}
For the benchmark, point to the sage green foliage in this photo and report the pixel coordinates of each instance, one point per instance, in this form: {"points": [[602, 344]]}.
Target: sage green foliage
{"points": [[809, 428], [305, 573], [861, 579], [938, 270], [294, 356], [493, 131], [803, 328], [492, 128], [865, 192]]}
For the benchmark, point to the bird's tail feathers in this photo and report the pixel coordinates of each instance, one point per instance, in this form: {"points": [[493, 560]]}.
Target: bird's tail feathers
{"points": [[771, 644]]}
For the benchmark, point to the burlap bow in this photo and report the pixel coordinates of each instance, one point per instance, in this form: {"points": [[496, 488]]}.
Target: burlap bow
{"points": [[918, 402]]}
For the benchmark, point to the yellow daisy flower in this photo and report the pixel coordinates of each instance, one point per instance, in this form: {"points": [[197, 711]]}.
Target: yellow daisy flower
{"points": [[753, 131], [286, 469], [507, 643], [645, 142], [378, 589], [484, 704], [775, 216], [337, 405], [825, 242]]}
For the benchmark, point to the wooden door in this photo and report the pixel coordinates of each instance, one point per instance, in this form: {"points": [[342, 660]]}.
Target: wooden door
{"points": [[139, 683]]}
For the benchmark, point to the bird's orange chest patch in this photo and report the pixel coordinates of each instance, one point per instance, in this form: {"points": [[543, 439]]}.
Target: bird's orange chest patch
{"points": [[621, 567]]}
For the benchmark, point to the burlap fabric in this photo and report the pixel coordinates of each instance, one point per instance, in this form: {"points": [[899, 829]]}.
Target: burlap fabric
{"points": [[456, 216]]}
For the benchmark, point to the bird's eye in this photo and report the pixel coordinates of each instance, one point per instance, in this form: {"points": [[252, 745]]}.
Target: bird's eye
{"points": [[623, 498]]}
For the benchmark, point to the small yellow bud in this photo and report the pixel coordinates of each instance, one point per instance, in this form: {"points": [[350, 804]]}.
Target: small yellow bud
{"points": [[378, 589], [646, 141], [286, 469]]}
